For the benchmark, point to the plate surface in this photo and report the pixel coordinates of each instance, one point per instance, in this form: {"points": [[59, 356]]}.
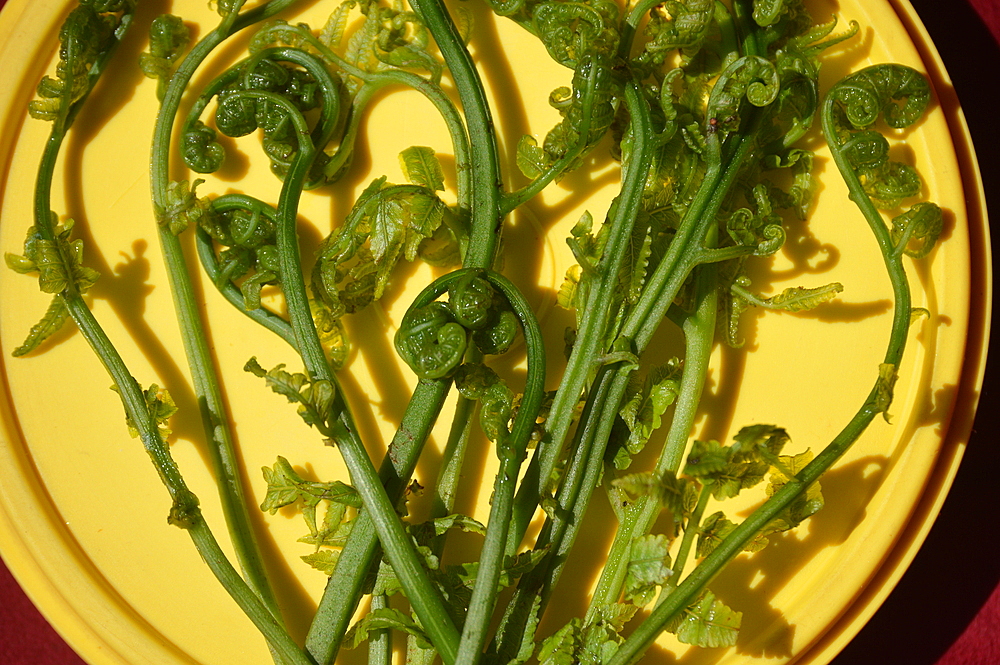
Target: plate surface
{"points": [[82, 514]]}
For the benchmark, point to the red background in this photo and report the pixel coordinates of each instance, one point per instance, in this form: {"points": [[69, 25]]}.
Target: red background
{"points": [[946, 609]]}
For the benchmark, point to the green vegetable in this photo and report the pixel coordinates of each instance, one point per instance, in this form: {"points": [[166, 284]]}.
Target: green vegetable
{"points": [[702, 104]]}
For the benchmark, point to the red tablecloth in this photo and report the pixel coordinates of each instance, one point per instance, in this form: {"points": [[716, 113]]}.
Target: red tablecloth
{"points": [[946, 609]]}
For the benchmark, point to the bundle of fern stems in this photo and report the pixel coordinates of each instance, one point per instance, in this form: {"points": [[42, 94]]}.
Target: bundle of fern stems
{"points": [[701, 103]]}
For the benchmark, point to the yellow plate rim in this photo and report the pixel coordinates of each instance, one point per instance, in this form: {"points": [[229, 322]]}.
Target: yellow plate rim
{"points": [[973, 369]]}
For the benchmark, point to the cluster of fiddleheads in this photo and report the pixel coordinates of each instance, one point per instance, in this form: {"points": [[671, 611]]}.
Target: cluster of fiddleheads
{"points": [[702, 107], [433, 337]]}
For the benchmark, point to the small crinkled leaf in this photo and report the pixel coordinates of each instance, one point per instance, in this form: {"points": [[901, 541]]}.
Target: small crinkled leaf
{"points": [[615, 615], [385, 618], [884, 386], [465, 573], [388, 222], [513, 567], [648, 568], [583, 226], [707, 623], [527, 646], [336, 25], [549, 505], [711, 532], [635, 262], [560, 648], [716, 527], [587, 247], [917, 230], [332, 334], [464, 22], [183, 207], [282, 486], [532, 160], [19, 264], [334, 530], [748, 459], [456, 521], [421, 166], [736, 477], [758, 442], [799, 299], [58, 261], [519, 564], [285, 486], [675, 494], [315, 398], [359, 44], [600, 641], [386, 581], [807, 503], [639, 485], [324, 561], [54, 318], [441, 249], [388, 234], [646, 403], [425, 531], [706, 459], [567, 295], [425, 214], [160, 406], [53, 275]]}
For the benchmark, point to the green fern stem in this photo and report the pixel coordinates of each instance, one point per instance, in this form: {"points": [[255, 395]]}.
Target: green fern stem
{"points": [[204, 375], [398, 546], [636, 644], [185, 511], [344, 588], [487, 186], [512, 452], [699, 339], [596, 315]]}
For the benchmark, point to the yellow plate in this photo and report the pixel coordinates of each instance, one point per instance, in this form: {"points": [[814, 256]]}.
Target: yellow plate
{"points": [[82, 513]]}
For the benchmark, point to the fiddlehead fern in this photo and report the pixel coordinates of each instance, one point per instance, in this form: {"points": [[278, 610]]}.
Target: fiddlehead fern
{"points": [[168, 36], [479, 308], [752, 78], [86, 38], [897, 94], [570, 30], [246, 229], [430, 340]]}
